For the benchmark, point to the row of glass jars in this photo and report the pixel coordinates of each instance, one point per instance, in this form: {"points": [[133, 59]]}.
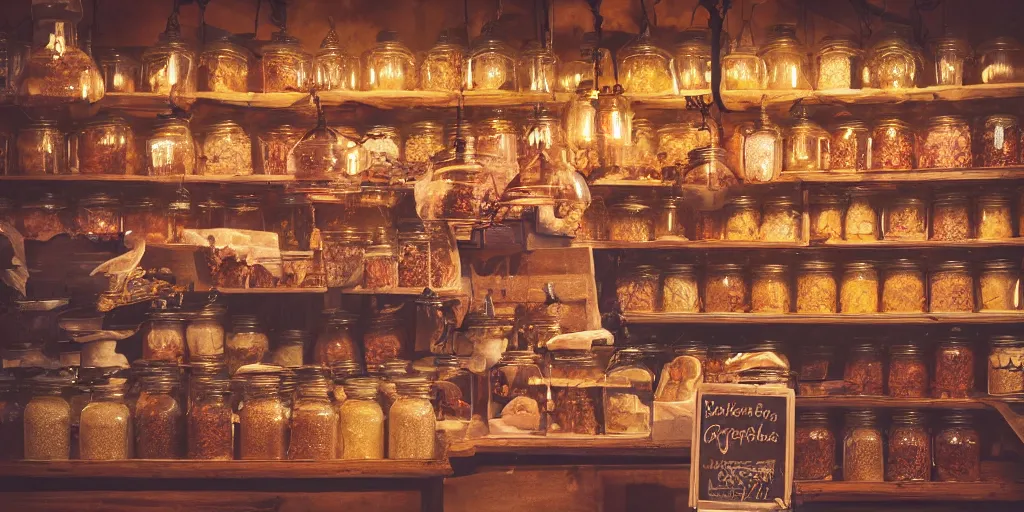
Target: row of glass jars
{"points": [[909, 451], [814, 287]]}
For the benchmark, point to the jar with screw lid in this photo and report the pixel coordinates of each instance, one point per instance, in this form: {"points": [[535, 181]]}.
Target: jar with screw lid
{"points": [[908, 372], [954, 368], [159, 418], [380, 267], [314, 422], [863, 448], [98, 215], [815, 362], [999, 61], [361, 421], [224, 67], [861, 221], [491, 64], [892, 145], [170, 65], [726, 289], [576, 393], [957, 449], [951, 217], [263, 419], [292, 220], [998, 138], [337, 339], [171, 150], [998, 285], [424, 140], [210, 429], [411, 421], [850, 147], [226, 150], [637, 289], [180, 218], [453, 390], [290, 348], [106, 145], [742, 219], [994, 220], [903, 290], [893, 63], [950, 54], [668, 225], [286, 66], [806, 146], [165, 337], [945, 143], [814, 446], [909, 454], [105, 425], [859, 290], [863, 372], [785, 58], [693, 60], [643, 162], [205, 332], [630, 221], [769, 291], [247, 343], [644, 68], [677, 140], [594, 225], [781, 220], [1005, 365], [47, 424], [838, 64], [826, 216], [679, 291], [951, 288], [537, 68]]}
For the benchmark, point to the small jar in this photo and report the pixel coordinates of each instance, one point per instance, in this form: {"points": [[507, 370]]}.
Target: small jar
{"points": [[226, 150], [455, 403], [908, 372], [263, 420], [950, 54], [726, 289], [360, 422], [679, 291], [247, 343], [909, 457], [411, 421], [424, 140], [159, 419], [838, 64], [179, 217], [945, 144], [693, 60], [826, 217], [999, 61], [170, 149], [957, 449], [781, 221], [951, 217], [954, 369], [41, 149], [861, 221], [906, 218], [769, 291], [334, 69], [210, 428], [292, 220], [850, 148], [714, 368], [413, 256], [442, 67], [892, 145], [275, 143], [863, 372], [994, 218], [286, 66], [637, 289], [98, 215], [951, 288], [806, 146], [537, 68], [224, 67], [165, 337], [630, 221], [121, 72], [893, 64], [518, 391], [337, 339], [815, 362], [814, 447], [105, 425], [668, 225], [146, 217], [999, 141], [107, 146], [786, 63], [677, 140], [205, 332], [380, 267], [497, 143], [386, 338], [170, 65], [742, 219], [314, 422], [1005, 357], [859, 291], [644, 68], [863, 448], [290, 348], [903, 290], [997, 285], [244, 212], [47, 421], [643, 163], [343, 254], [760, 150]]}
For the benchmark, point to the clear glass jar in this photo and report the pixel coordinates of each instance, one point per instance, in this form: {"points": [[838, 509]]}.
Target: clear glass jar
{"points": [[453, 391], [949, 55], [906, 218], [957, 449], [643, 160], [762, 152], [951, 288], [55, 71], [892, 63], [205, 332], [445, 266], [343, 254], [247, 343], [497, 148], [668, 225], [180, 217], [994, 220], [42, 219], [806, 147], [998, 284], [954, 368], [286, 66], [537, 68], [786, 63], [614, 123], [424, 140], [769, 290], [210, 428], [892, 146], [743, 70], [576, 393], [951, 217], [121, 72], [595, 222], [909, 457], [462, 184], [781, 221], [170, 65], [630, 221], [628, 394], [337, 339], [999, 61], [693, 60], [637, 289], [826, 217], [861, 221], [908, 372], [491, 65], [314, 422], [442, 66], [815, 362], [361, 422], [945, 143], [98, 215], [413, 256], [380, 267], [411, 421], [159, 419], [290, 348], [850, 148], [999, 141], [324, 153], [726, 289], [903, 290], [41, 147], [1006, 352], [679, 291], [863, 372], [334, 69], [47, 421], [814, 447], [170, 149], [859, 291], [226, 150], [107, 146], [386, 338], [677, 140], [838, 64], [263, 420], [572, 74], [710, 177], [742, 219], [383, 148], [12, 418], [165, 337], [816, 287], [292, 220], [644, 68], [224, 67], [244, 211], [714, 368], [518, 395], [863, 448], [147, 217]]}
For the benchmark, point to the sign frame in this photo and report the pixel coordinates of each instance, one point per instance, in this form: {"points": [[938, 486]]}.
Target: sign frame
{"points": [[695, 445]]}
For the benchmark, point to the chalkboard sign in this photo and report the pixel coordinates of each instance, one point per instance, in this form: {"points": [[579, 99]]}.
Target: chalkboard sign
{"points": [[742, 454]]}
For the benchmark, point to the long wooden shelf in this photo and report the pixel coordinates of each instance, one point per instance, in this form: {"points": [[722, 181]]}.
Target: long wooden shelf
{"points": [[114, 178], [690, 244], [922, 244], [190, 469], [885, 402], [271, 291], [908, 176], [743, 100], [823, 319], [807, 491], [570, 446]]}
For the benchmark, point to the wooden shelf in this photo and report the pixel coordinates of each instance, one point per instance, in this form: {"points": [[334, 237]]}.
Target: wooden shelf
{"points": [[807, 491], [631, 183], [572, 446], [908, 176], [111, 178], [691, 244], [172, 469], [822, 319], [883, 402], [743, 100], [400, 291], [922, 244], [271, 291]]}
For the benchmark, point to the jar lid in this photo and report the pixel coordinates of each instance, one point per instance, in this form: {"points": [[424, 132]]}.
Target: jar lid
{"points": [[907, 417], [572, 356], [950, 43], [224, 125], [631, 204], [948, 266], [336, 317], [680, 268], [171, 122], [725, 267], [827, 198], [891, 122], [141, 202], [642, 124], [425, 126], [226, 45], [245, 201], [780, 201], [817, 265], [671, 202], [813, 416], [211, 311], [107, 120], [864, 348], [1002, 118], [40, 123], [851, 124], [742, 202], [999, 265], [771, 268], [294, 200], [946, 120], [293, 337], [767, 346], [687, 348], [906, 349], [950, 196], [838, 44], [644, 269], [1006, 340], [166, 315], [999, 43], [859, 266], [99, 199], [245, 323], [861, 416], [480, 319], [959, 417], [994, 196], [903, 264]]}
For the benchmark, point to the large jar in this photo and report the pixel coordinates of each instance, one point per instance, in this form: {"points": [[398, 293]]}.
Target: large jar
{"points": [[454, 396], [360, 421], [742, 219], [903, 290], [334, 69], [386, 338], [637, 289], [707, 176], [497, 148], [726, 289], [909, 457], [785, 59], [693, 61], [292, 220], [314, 422], [205, 332], [908, 372], [383, 147], [41, 149], [951, 217], [806, 146], [954, 368], [165, 337], [892, 145], [210, 428], [863, 448], [906, 218], [47, 421], [576, 393], [743, 69], [170, 65], [993, 219], [413, 256], [998, 284], [121, 72], [861, 221], [424, 140], [644, 68], [945, 143], [263, 420], [998, 141], [98, 215], [951, 288], [677, 140], [999, 61], [537, 68], [863, 372], [957, 449], [781, 221], [826, 217], [274, 146], [679, 291], [630, 221], [247, 343], [170, 149], [442, 66], [411, 421], [628, 394], [337, 339], [146, 217], [224, 67], [949, 55], [286, 66], [107, 146], [769, 290], [837, 64], [343, 253], [491, 65], [893, 63], [518, 395], [814, 447], [816, 287], [226, 150], [859, 291], [159, 419], [850, 148], [1005, 356]]}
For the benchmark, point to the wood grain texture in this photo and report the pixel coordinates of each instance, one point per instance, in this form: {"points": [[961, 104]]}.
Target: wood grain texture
{"points": [[176, 469], [908, 491], [690, 244], [815, 319], [921, 244], [743, 100], [911, 175], [604, 446], [886, 402], [210, 501]]}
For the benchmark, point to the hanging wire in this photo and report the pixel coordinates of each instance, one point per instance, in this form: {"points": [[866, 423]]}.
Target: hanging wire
{"points": [[202, 20], [256, 23]]}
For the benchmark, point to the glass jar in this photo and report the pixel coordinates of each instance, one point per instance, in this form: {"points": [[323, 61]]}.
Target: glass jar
{"points": [[47, 421], [644, 68], [951, 288], [1005, 358], [383, 148], [850, 147], [909, 457], [518, 395], [951, 218], [630, 221], [668, 225], [226, 150], [334, 69], [957, 449], [998, 284], [491, 65], [637, 289], [762, 152], [275, 143], [205, 332], [707, 177], [7, 147], [292, 220], [892, 146], [815, 362], [244, 212], [679, 291], [863, 372], [743, 69], [769, 291], [742, 219], [380, 267], [224, 67], [170, 65], [41, 149], [838, 64], [677, 140], [463, 185], [999, 61], [628, 394], [576, 393], [210, 428], [159, 419], [411, 421], [424, 140], [954, 369], [165, 337], [594, 225], [574, 73], [814, 447], [903, 290], [893, 63], [98, 215], [994, 220], [945, 143], [121, 72], [413, 256], [785, 59], [442, 66], [537, 68], [107, 146], [147, 217], [170, 149], [826, 217], [337, 339], [497, 143], [861, 221], [360, 422], [816, 287], [726, 289], [714, 368], [781, 221], [247, 343], [859, 291], [999, 143], [286, 66], [445, 265], [806, 147], [950, 54], [180, 217], [908, 372], [386, 338], [693, 60], [453, 390], [343, 254], [906, 218], [862, 448], [290, 347], [12, 418], [314, 422], [263, 420]]}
